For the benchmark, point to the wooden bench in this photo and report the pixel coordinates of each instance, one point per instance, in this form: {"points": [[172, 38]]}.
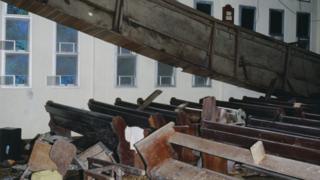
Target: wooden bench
{"points": [[158, 155], [159, 158]]}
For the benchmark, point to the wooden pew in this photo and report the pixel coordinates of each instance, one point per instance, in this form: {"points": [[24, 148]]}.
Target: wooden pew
{"points": [[95, 126], [158, 155], [289, 146]]}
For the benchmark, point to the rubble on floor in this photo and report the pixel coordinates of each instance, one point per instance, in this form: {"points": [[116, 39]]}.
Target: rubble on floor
{"points": [[251, 138]]}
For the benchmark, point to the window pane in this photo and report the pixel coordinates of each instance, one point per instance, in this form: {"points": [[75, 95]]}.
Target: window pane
{"points": [[165, 75], [200, 81], [126, 70], [247, 17], [66, 67], [276, 22], [18, 66], [67, 39], [18, 30], [204, 7], [123, 51], [11, 9], [303, 25]]}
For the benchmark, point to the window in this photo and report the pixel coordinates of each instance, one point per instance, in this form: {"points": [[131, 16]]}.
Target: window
{"points": [[204, 6], [303, 30], [66, 64], [16, 48], [166, 75], [126, 68], [11, 9], [276, 23], [247, 17], [199, 81]]}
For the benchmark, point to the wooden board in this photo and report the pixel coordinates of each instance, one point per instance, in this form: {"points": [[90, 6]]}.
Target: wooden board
{"points": [[178, 35]]}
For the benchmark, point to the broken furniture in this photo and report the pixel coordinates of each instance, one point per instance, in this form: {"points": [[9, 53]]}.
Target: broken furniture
{"points": [[156, 151], [51, 157], [158, 155], [95, 126], [97, 151], [104, 170]]}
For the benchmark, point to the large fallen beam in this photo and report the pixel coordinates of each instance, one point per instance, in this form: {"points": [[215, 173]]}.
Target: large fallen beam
{"points": [[175, 34]]}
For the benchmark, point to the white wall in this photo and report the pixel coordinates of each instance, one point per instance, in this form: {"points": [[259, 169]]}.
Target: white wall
{"points": [[24, 107]]}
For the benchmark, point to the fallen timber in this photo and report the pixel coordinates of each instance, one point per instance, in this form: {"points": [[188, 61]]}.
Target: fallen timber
{"points": [[160, 143], [196, 42], [284, 145]]}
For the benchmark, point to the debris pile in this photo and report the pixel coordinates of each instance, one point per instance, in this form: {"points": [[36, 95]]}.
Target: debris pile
{"points": [[184, 140]]}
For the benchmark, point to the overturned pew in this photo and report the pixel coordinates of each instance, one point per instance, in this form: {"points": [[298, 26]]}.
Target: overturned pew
{"points": [[92, 125], [284, 145], [158, 155]]}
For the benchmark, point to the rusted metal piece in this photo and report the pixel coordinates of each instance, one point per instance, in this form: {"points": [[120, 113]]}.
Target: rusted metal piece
{"points": [[138, 26], [62, 153], [158, 155]]}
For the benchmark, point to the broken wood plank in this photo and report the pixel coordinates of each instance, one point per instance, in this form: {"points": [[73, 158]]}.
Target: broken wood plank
{"points": [[149, 99]]}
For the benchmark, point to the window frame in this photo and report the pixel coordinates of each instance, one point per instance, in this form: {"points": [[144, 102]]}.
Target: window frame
{"points": [[309, 33], [4, 52], [174, 74], [201, 86], [131, 54], [283, 26], [241, 7], [54, 62], [206, 2]]}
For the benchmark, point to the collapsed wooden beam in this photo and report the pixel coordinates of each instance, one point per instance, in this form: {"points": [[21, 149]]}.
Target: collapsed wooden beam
{"points": [[175, 34]]}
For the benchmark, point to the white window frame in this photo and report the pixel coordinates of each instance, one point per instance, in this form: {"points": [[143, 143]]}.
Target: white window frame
{"points": [[56, 52], [208, 85], [173, 78], [4, 52], [118, 78]]}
